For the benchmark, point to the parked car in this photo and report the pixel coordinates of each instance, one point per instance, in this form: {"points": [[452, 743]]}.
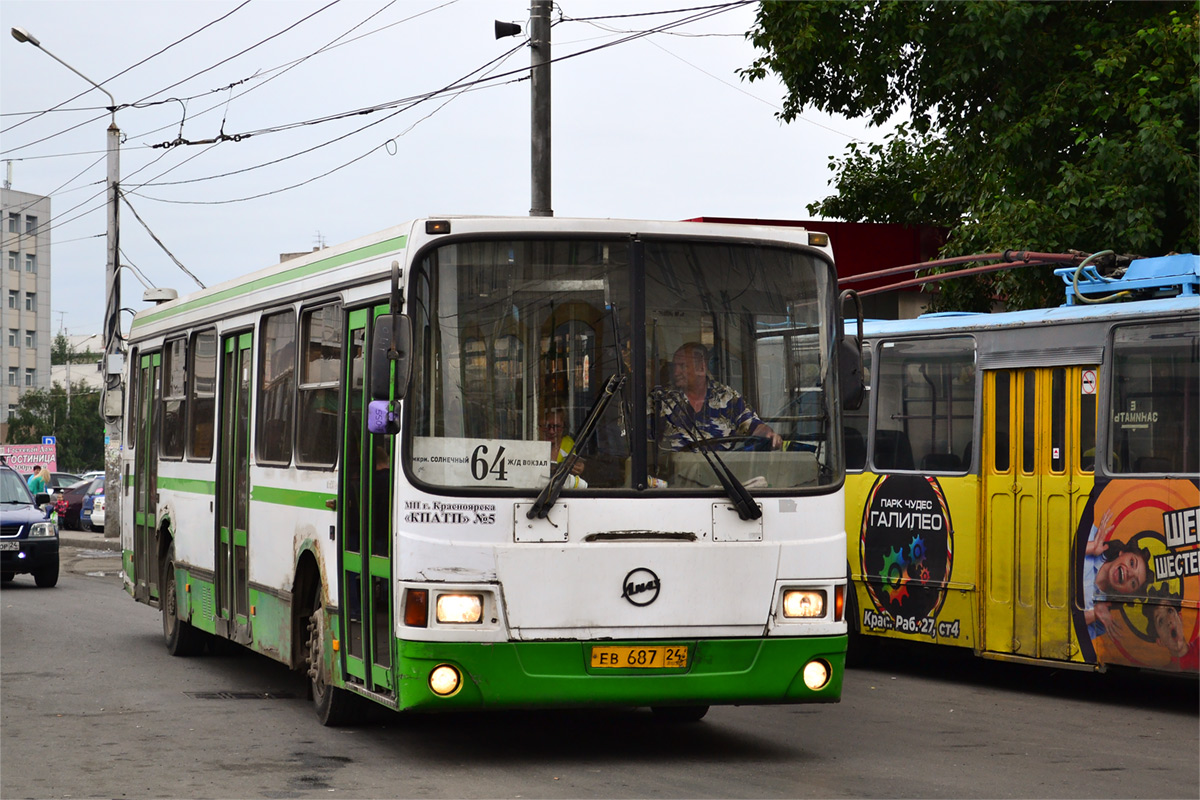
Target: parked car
{"points": [[58, 481], [28, 541], [92, 475], [91, 516], [75, 496]]}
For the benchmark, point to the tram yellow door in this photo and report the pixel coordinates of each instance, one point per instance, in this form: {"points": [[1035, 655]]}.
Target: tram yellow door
{"points": [[1037, 427]]}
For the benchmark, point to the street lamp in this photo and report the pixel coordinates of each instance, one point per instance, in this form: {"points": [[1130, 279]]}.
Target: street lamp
{"points": [[111, 402]]}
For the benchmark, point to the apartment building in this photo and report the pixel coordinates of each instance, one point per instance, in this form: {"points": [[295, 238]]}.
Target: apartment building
{"points": [[25, 338]]}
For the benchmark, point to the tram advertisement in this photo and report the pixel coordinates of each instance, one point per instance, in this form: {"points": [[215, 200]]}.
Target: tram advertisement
{"points": [[906, 550], [1137, 569]]}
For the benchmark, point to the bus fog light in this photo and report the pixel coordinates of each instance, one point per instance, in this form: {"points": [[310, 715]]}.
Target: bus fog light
{"points": [[816, 675], [804, 603], [459, 608], [445, 680]]}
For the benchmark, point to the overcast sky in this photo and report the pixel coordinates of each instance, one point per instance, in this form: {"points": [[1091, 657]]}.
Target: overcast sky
{"points": [[660, 127]]}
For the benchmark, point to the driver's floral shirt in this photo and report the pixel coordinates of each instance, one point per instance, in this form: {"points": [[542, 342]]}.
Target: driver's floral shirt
{"points": [[724, 413]]}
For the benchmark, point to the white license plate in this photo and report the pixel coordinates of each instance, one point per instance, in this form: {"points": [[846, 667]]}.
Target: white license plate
{"points": [[10, 545]]}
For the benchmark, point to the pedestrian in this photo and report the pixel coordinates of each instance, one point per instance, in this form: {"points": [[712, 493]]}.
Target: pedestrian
{"points": [[37, 481]]}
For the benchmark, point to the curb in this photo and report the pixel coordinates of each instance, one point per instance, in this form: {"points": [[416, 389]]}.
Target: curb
{"points": [[88, 540]]}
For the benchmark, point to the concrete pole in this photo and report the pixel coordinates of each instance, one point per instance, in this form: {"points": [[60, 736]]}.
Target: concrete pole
{"points": [[539, 35], [113, 396]]}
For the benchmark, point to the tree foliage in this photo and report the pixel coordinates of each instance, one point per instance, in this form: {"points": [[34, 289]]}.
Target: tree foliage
{"points": [[1038, 126], [80, 434]]}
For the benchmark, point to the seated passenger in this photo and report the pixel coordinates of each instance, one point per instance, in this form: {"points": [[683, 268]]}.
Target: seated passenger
{"points": [[554, 430]]}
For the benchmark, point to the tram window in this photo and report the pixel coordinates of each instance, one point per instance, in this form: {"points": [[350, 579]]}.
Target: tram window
{"points": [[1154, 424], [316, 433], [174, 399], [1087, 422], [925, 406], [202, 392], [1003, 411], [277, 385], [1058, 419], [1028, 421], [855, 421]]}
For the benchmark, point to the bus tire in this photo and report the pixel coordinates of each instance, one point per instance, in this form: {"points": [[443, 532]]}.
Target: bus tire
{"points": [[334, 705], [679, 714], [181, 637]]}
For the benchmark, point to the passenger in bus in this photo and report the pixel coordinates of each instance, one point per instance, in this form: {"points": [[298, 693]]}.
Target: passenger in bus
{"points": [[697, 407], [554, 430]]}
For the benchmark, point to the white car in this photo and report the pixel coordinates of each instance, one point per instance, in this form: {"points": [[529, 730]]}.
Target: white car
{"points": [[95, 515]]}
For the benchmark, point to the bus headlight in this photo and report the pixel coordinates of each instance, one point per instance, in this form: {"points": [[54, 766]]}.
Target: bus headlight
{"points": [[444, 680], [816, 674], [804, 603], [462, 609]]}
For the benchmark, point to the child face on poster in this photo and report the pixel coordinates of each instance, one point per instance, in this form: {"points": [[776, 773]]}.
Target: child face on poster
{"points": [[1168, 629]]}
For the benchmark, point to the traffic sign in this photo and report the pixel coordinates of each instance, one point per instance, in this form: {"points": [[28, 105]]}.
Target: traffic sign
{"points": [[49, 440]]}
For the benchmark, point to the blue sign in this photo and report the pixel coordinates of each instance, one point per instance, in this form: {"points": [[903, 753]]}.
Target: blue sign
{"points": [[49, 440]]}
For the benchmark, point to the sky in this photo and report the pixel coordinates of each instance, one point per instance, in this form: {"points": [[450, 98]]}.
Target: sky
{"points": [[659, 126]]}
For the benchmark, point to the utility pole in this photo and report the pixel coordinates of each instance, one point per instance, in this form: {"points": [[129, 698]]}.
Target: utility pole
{"points": [[111, 403], [539, 44]]}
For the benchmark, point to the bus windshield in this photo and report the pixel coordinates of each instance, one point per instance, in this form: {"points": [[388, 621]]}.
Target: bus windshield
{"points": [[724, 350]]}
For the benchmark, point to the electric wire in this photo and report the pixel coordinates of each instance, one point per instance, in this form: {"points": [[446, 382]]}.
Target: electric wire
{"points": [[159, 242]]}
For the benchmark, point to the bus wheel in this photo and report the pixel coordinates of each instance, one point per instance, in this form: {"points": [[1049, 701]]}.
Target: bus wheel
{"points": [[333, 704], [182, 639], [676, 714]]}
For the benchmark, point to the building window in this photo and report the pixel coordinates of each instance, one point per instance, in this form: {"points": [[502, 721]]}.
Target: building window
{"points": [[14, 221], [30, 223], [12, 298], [12, 260], [31, 339], [12, 376], [30, 377], [12, 337], [30, 301], [30, 262]]}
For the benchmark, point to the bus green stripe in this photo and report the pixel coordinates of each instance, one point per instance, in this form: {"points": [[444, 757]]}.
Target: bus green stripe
{"points": [[291, 497], [302, 271], [189, 485]]}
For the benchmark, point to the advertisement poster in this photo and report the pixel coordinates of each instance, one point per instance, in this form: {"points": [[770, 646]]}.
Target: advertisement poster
{"points": [[906, 550], [1137, 569]]}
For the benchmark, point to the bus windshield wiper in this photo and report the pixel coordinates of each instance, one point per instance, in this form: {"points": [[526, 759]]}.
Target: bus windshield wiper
{"points": [[735, 490], [549, 495]]}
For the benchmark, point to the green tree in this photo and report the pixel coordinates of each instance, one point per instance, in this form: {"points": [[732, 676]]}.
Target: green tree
{"points": [[60, 351], [1039, 126], [80, 434]]}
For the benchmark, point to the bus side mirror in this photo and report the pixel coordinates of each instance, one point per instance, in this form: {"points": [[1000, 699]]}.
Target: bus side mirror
{"points": [[850, 363], [850, 373], [391, 369]]}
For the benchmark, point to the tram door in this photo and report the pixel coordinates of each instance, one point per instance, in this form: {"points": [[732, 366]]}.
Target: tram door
{"points": [[365, 521], [1036, 430], [233, 491], [145, 476]]}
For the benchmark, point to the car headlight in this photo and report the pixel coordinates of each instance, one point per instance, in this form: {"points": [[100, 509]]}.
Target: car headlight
{"points": [[43, 530], [804, 603]]}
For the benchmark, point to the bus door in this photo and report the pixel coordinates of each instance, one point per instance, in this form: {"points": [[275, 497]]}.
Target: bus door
{"points": [[145, 478], [364, 519], [233, 490], [1035, 431]]}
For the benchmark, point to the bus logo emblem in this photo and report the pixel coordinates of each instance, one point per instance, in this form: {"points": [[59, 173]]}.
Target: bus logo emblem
{"points": [[641, 586]]}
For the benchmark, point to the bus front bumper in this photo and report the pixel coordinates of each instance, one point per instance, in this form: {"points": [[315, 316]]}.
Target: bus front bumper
{"points": [[560, 674]]}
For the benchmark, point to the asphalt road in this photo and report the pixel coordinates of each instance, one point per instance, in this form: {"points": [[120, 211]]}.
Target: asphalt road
{"points": [[91, 705]]}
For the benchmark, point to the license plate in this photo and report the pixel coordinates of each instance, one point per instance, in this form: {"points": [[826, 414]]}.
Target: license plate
{"points": [[10, 545], [664, 657]]}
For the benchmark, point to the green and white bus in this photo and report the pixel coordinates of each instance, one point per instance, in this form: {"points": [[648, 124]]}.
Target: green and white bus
{"points": [[337, 462]]}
